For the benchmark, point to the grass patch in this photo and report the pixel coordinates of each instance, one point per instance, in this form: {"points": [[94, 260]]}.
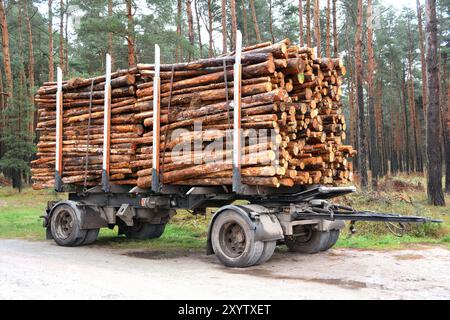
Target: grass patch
{"points": [[387, 241], [174, 237], [19, 218], [20, 212]]}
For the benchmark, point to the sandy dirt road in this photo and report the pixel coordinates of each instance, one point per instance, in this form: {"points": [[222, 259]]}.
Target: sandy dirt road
{"points": [[42, 270]]}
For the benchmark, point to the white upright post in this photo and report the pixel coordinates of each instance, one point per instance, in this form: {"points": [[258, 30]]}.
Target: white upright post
{"points": [[107, 126], [156, 121], [237, 104], [59, 131]]}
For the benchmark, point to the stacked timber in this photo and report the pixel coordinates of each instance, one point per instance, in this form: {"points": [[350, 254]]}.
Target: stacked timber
{"points": [[83, 105], [290, 99]]}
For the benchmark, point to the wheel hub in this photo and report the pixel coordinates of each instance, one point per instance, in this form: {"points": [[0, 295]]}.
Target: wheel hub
{"points": [[233, 240], [64, 225]]}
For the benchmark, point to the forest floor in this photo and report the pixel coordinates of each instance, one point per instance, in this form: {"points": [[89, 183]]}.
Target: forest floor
{"points": [[19, 219]]}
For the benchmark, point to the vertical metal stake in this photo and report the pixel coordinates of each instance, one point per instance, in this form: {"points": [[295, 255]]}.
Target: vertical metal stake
{"points": [[156, 121], [59, 132], [237, 104], [107, 127]]}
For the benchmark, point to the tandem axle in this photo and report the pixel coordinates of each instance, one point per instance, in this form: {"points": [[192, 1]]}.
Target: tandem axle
{"points": [[241, 235]]}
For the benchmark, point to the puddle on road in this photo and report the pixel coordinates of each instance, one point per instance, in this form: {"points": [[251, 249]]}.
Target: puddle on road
{"points": [[347, 284]]}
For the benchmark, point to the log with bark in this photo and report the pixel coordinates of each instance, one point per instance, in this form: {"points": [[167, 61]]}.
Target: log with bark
{"points": [[292, 121]]}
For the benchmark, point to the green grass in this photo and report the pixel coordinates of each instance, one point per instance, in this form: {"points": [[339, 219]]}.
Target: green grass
{"points": [[20, 212], [388, 241], [19, 218], [174, 237]]}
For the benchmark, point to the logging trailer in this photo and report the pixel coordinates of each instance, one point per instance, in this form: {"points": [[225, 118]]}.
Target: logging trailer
{"points": [[240, 235]]}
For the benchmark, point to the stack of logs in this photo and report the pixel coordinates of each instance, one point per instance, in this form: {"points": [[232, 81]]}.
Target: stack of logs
{"points": [[287, 94]]}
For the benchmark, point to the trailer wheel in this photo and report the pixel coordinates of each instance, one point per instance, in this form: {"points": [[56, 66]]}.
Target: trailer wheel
{"points": [[144, 230], [65, 226], [233, 241], [334, 236], [91, 236], [307, 240], [269, 249]]}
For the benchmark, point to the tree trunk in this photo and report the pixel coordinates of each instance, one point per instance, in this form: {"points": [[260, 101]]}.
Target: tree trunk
{"points": [[190, 28], [233, 24], [308, 23], [328, 35], [335, 32], [51, 66], [351, 76], [300, 21], [406, 122], [379, 128], [244, 22], [255, 21], [224, 27], [2, 109], [198, 29], [66, 36], [32, 115], [2, 101], [371, 97], [6, 53], [110, 36], [130, 35], [317, 27], [210, 31], [271, 22], [412, 105], [20, 101], [422, 60], [434, 155], [447, 143], [362, 142], [178, 48], [61, 35]]}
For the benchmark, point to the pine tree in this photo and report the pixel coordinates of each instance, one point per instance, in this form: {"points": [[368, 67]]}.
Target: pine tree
{"points": [[233, 24], [224, 27], [190, 28], [255, 21], [51, 67], [362, 142], [434, 154], [130, 35], [300, 21]]}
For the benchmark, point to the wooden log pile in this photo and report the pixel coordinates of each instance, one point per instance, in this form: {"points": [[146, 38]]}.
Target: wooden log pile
{"points": [[288, 95]]}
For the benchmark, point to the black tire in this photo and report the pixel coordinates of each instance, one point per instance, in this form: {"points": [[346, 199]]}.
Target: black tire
{"points": [[233, 241], [143, 230], [91, 236], [334, 236], [65, 226], [311, 241], [269, 249]]}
